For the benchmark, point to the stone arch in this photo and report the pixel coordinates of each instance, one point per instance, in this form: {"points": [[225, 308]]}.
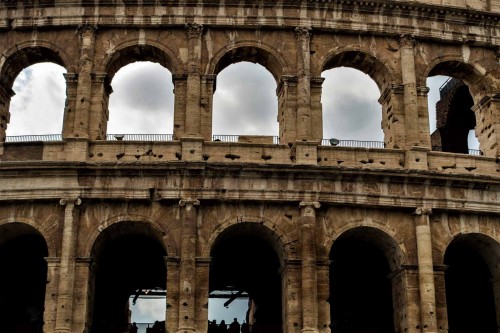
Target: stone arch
{"points": [[482, 243], [278, 237], [132, 51], [250, 51], [381, 72], [382, 239], [454, 66], [45, 230], [155, 230], [28, 53]]}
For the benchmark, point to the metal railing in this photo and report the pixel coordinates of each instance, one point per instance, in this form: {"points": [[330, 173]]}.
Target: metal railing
{"points": [[139, 137], [474, 152], [34, 138], [352, 143], [235, 138]]}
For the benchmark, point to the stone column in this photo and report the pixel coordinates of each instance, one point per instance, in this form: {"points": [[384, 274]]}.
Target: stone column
{"points": [[193, 103], [304, 117], [487, 113], [6, 94], [187, 273], [64, 311], [441, 308], [309, 278], [83, 294], [404, 299], [423, 117], [425, 271], [407, 44], [83, 93], [70, 105]]}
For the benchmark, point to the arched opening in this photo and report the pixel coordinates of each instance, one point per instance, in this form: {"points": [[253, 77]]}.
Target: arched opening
{"points": [[142, 101], [130, 269], [23, 278], [469, 292], [246, 267], [351, 111], [35, 84], [360, 288], [37, 108], [245, 101], [142, 98], [350, 96], [451, 119]]}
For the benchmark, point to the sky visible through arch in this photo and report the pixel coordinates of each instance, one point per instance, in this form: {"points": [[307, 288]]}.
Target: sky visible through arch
{"points": [[244, 103]]}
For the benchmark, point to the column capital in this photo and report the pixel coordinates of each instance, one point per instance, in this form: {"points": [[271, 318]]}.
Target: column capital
{"points": [[193, 30], [189, 202], [423, 211], [70, 201], [86, 30], [303, 33], [407, 41], [313, 204]]}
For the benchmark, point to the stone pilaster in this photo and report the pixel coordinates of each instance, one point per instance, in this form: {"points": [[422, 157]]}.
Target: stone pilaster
{"points": [[317, 108], [64, 312], [425, 271], [193, 122], [70, 105], [202, 291], [441, 308], [99, 111], [180, 91], [287, 112], [487, 113], [323, 294], [83, 92], [309, 274], [50, 306], [495, 283], [292, 295], [304, 117], [5, 96], [423, 117], [83, 288], [173, 285], [187, 273], [393, 116], [404, 292], [407, 44], [208, 83]]}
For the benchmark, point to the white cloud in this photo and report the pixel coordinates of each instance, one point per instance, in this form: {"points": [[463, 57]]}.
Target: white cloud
{"points": [[148, 310]]}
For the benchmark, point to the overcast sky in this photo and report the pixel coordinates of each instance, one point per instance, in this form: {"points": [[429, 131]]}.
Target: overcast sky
{"points": [[245, 102]]}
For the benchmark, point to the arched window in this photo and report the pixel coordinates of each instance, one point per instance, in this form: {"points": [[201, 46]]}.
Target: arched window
{"points": [[37, 108], [451, 119], [245, 101], [142, 101], [351, 111]]}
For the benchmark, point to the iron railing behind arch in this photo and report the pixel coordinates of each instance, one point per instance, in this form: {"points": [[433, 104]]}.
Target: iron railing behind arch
{"points": [[235, 138], [353, 143], [34, 138], [139, 137], [474, 152]]}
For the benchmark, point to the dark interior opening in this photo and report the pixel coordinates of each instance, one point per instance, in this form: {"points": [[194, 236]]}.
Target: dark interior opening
{"points": [[125, 264], [22, 283], [469, 293], [360, 290], [242, 260]]}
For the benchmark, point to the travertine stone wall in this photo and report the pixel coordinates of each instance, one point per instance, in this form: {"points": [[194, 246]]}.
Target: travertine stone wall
{"points": [[411, 203]]}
